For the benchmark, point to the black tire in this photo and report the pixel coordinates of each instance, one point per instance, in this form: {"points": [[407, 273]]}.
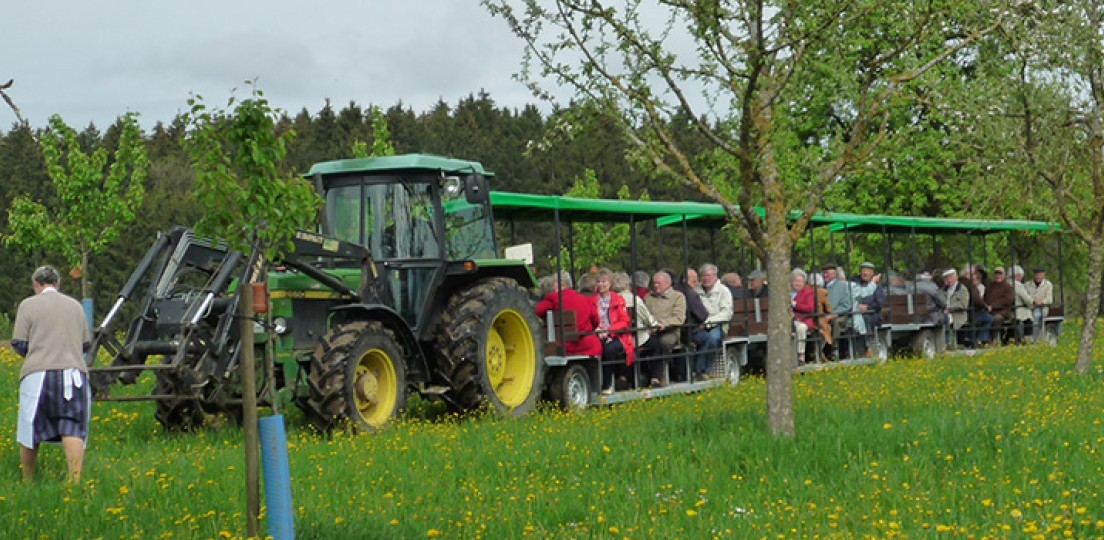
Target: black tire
{"points": [[570, 388], [923, 344], [178, 414], [357, 375], [488, 349]]}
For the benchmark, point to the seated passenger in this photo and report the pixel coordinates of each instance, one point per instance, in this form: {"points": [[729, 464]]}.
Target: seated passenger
{"points": [[642, 318], [735, 285], [586, 316], [588, 284], [868, 298], [958, 302], [696, 314], [839, 297], [803, 301], [1001, 298], [757, 287], [980, 316], [937, 301], [823, 315], [668, 309], [1042, 291], [1023, 303], [613, 328], [641, 284], [717, 300]]}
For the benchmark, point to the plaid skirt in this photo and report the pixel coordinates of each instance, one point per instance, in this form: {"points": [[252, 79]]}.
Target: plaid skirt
{"points": [[47, 413]]}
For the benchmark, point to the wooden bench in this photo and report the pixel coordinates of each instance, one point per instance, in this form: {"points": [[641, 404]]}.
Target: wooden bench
{"points": [[749, 317], [906, 309]]}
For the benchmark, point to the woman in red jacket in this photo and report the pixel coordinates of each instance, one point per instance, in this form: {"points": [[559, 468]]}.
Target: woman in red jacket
{"points": [[613, 327], [586, 316], [804, 305]]}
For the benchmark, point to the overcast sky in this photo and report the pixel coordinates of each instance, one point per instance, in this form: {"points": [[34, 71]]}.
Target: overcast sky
{"points": [[94, 61]]}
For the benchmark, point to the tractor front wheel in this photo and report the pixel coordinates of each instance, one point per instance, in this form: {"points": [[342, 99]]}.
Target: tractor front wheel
{"points": [[176, 414], [488, 348], [357, 373]]}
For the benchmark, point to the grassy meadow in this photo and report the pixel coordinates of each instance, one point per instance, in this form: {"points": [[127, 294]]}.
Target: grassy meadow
{"points": [[1003, 444]]}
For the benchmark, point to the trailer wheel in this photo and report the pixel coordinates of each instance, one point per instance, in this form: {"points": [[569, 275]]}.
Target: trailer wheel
{"points": [[882, 347], [1051, 335], [571, 388], [923, 344], [488, 349], [732, 365], [358, 375], [176, 414]]}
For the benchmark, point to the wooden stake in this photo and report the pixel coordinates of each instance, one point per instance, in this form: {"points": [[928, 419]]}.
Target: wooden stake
{"points": [[247, 371]]}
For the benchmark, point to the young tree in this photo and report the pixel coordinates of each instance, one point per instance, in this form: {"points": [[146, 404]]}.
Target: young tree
{"points": [[240, 180], [1051, 105], [246, 193], [96, 196], [595, 244], [381, 137], [791, 97]]}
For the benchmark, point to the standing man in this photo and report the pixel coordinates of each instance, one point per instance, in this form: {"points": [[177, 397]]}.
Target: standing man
{"points": [[708, 337], [54, 395]]}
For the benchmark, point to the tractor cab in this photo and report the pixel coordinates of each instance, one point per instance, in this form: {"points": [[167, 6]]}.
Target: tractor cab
{"points": [[415, 213]]}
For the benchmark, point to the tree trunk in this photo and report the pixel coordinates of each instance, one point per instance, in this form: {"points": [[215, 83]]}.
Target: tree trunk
{"points": [[780, 346], [1092, 305]]}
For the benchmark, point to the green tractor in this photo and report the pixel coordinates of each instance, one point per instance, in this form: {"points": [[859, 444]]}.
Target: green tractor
{"points": [[401, 291]]}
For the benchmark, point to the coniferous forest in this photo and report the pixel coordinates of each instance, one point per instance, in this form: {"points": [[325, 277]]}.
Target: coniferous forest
{"points": [[528, 150]]}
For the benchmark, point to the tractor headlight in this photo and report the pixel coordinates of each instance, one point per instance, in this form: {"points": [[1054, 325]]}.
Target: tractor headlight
{"points": [[280, 325], [258, 328], [453, 186]]}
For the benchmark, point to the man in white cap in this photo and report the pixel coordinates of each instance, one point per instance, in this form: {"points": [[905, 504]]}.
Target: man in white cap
{"points": [[868, 299], [1042, 291], [958, 302]]}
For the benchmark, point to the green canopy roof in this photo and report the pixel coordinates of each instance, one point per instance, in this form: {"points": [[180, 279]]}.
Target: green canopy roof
{"points": [[523, 206], [929, 225], [379, 164]]}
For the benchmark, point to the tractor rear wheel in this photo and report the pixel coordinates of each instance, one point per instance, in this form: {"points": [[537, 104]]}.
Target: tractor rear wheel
{"points": [[357, 373], [488, 348], [176, 414]]}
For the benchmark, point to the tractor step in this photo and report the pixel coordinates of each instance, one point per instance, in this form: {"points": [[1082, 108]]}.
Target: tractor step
{"points": [[433, 390]]}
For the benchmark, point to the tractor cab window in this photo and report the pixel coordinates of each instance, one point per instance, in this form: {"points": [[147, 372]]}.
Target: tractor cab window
{"points": [[393, 218], [400, 220], [469, 233]]}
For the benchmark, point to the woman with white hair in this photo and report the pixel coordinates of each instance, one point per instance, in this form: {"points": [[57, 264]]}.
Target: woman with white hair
{"points": [[803, 302]]}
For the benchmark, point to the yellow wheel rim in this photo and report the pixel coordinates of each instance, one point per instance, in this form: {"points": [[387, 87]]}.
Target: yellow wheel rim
{"points": [[511, 358], [375, 388]]}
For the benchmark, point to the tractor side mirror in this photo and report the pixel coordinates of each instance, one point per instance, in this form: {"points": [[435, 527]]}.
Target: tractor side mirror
{"points": [[475, 188]]}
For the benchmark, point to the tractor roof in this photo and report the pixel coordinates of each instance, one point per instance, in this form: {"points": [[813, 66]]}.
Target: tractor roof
{"points": [[404, 162]]}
